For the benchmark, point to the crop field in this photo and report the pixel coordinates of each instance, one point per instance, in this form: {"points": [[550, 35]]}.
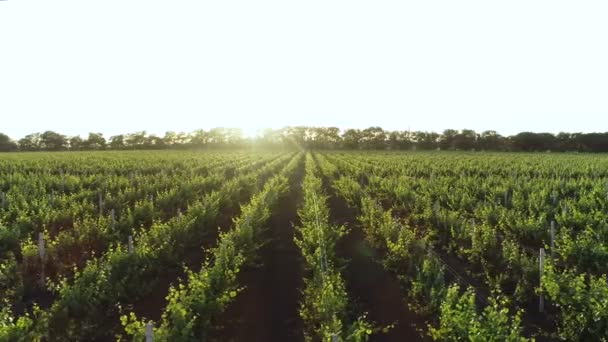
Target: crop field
{"points": [[303, 246]]}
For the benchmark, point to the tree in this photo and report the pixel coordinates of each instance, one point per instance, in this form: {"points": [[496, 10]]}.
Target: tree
{"points": [[352, 138], [53, 141], [199, 138], [170, 139], [30, 142], [154, 142], [6, 144], [233, 137], [398, 140], [332, 135], [465, 140], [270, 138], [117, 142], [426, 140], [529, 141], [447, 139], [491, 140], [96, 141], [76, 143], [323, 137], [565, 142], [592, 142], [296, 137], [136, 140], [373, 138]]}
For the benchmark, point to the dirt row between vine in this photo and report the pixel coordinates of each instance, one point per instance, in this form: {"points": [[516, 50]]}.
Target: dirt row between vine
{"points": [[267, 309], [370, 286]]}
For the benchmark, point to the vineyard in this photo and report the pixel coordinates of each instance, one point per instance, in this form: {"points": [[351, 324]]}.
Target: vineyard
{"points": [[303, 246]]}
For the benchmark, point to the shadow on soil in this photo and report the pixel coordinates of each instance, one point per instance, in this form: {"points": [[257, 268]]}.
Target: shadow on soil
{"points": [[371, 287], [267, 309]]}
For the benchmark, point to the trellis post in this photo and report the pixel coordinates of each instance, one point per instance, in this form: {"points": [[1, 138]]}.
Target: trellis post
{"points": [[130, 244], [62, 180], [552, 236], [149, 332], [42, 256], [113, 218], [541, 266], [100, 204]]}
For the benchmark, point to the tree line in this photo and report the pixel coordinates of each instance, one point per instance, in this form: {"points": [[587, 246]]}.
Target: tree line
{"points": [[372, 138]]}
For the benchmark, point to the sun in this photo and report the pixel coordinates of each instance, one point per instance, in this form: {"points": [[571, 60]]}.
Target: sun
{"points": [[251, 132]]}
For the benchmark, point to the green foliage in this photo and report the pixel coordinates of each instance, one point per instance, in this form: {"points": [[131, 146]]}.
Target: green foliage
{"points": [[349, 189], [92, 290], [194, 306], [428, 288], [16, 330], [460, 321], [582, 301], [324, 307], [486, 215]]}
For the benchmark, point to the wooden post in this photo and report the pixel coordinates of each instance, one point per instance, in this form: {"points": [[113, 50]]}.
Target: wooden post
{"points": [[179, 214], [152, 202], [130, 244], [100, 205], [41, 251], [321, 263], [2, 199], [541, 266], [62, 180], [335, 338], [506, 197], [552, 236], [42, 255], [149, 332], [113, 218]]}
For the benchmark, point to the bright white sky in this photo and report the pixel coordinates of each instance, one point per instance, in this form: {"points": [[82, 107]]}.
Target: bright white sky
{"points": [[122, 66]]}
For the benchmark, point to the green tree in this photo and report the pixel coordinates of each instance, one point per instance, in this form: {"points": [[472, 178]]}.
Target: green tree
{"points": [[53, 141], [426, 140], [136, 140], [465, 140], [6, 144], [491, 140], [117, 142], [30, 142], [76, 143], [373, 138], [352, 138], [447, 140], [96, 141]]}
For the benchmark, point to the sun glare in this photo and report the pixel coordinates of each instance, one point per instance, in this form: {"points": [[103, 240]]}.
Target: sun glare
{"points": [[251, 132]]}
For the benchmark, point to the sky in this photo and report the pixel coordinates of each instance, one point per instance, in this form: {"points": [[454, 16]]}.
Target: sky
{"points": [[123, 66]]}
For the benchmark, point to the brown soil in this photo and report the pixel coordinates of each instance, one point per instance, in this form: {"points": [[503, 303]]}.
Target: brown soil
{"points": [[267, 310]]}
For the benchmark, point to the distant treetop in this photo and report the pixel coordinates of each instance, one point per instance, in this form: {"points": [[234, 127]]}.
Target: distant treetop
{"points": [[372, 138]]}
